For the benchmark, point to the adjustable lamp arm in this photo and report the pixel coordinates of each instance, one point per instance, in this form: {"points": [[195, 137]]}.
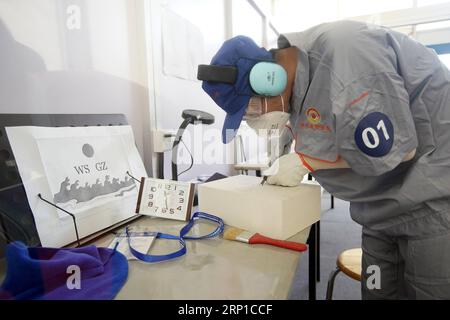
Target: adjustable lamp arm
{"points": [[176, 143], [193, 117]]}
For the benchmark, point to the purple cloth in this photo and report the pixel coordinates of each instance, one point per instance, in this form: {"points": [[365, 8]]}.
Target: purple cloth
{"points": [[42, 273]]}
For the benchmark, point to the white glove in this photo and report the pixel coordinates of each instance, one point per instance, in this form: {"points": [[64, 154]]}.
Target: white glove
{"points": [[287, 171]]}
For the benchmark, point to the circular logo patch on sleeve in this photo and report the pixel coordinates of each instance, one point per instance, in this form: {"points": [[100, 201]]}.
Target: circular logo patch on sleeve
{"points": [[374, 135]]}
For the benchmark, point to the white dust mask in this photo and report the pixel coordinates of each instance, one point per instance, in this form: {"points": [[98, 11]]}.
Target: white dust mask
{"points": [[275, 120]]}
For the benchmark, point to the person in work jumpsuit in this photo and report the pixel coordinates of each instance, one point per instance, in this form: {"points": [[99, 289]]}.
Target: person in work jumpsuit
{"points": [[370, 115]]}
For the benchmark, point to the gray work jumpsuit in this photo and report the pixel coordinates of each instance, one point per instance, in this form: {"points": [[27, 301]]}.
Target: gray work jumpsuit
{"points": [[371, 96]]}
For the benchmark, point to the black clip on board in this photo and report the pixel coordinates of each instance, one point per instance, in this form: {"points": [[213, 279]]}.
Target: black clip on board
{"points": [[16, 218]]}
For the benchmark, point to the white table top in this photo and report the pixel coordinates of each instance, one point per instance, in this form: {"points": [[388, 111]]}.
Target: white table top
{"points": [[211, 269]]}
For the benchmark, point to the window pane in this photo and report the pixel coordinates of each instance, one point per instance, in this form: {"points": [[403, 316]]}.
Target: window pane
{"points": [[445, 58], [247, 21], [408, 30], [353, 8], [423, 3], [295, 16], [272, 39], [265, 6], [434, 25]]}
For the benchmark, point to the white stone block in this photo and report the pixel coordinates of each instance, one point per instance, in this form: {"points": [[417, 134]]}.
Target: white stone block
{"points": [[273, 211]]}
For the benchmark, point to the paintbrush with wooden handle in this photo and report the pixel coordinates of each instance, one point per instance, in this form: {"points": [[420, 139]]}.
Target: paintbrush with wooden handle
{"points": [[235, 234]]}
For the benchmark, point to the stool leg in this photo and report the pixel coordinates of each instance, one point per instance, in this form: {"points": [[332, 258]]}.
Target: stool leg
{"points": [[318, 251], [330, 286]]}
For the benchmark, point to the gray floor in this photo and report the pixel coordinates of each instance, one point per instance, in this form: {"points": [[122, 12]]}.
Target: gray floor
{"points": [[338, 233]]}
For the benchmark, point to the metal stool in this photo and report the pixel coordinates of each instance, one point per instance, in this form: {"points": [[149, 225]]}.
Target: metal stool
{"points": [[349, 263]]}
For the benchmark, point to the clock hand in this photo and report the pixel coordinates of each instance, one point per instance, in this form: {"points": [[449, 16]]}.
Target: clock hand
{"points": [[165, 197]]}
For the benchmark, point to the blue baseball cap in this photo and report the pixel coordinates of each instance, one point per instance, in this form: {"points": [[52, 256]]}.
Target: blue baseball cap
{"points": [[243, 53]]}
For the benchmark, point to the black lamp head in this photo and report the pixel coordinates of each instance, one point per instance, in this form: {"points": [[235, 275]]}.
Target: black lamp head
{"points": [[198, 117]]}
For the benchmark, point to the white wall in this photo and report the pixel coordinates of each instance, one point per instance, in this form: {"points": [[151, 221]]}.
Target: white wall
{"points": [[100, 67]]}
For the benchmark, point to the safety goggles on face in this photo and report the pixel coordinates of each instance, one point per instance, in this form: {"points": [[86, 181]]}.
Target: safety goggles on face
{"points": [[258, 107]]}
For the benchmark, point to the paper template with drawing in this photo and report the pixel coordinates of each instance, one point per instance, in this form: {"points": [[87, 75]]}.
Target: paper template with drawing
{"points": [[89, 172], [83, 170]]}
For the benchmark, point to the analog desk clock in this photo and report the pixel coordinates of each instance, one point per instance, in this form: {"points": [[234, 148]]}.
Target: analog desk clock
{"points": [[165, 199]]}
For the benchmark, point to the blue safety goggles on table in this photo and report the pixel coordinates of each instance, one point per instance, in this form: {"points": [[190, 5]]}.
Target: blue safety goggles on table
{"points": [[181, 238]]}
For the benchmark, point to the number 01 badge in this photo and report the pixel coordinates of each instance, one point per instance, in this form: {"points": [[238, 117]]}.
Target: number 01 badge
{"points": [[375, 135], [165, 199]]}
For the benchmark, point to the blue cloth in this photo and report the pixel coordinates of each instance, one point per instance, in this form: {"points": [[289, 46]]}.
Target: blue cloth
{"points": [[243, 53], [42, 273]]}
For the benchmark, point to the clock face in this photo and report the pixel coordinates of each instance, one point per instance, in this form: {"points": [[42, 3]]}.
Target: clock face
{"points": [[165, 199]]}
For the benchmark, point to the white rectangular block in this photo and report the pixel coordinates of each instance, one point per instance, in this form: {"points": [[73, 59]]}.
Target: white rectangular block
{"points": [[273, 211]]}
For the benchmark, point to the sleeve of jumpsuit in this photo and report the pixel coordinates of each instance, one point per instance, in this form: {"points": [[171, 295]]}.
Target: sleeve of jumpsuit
{"points": [[374, 126]]}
